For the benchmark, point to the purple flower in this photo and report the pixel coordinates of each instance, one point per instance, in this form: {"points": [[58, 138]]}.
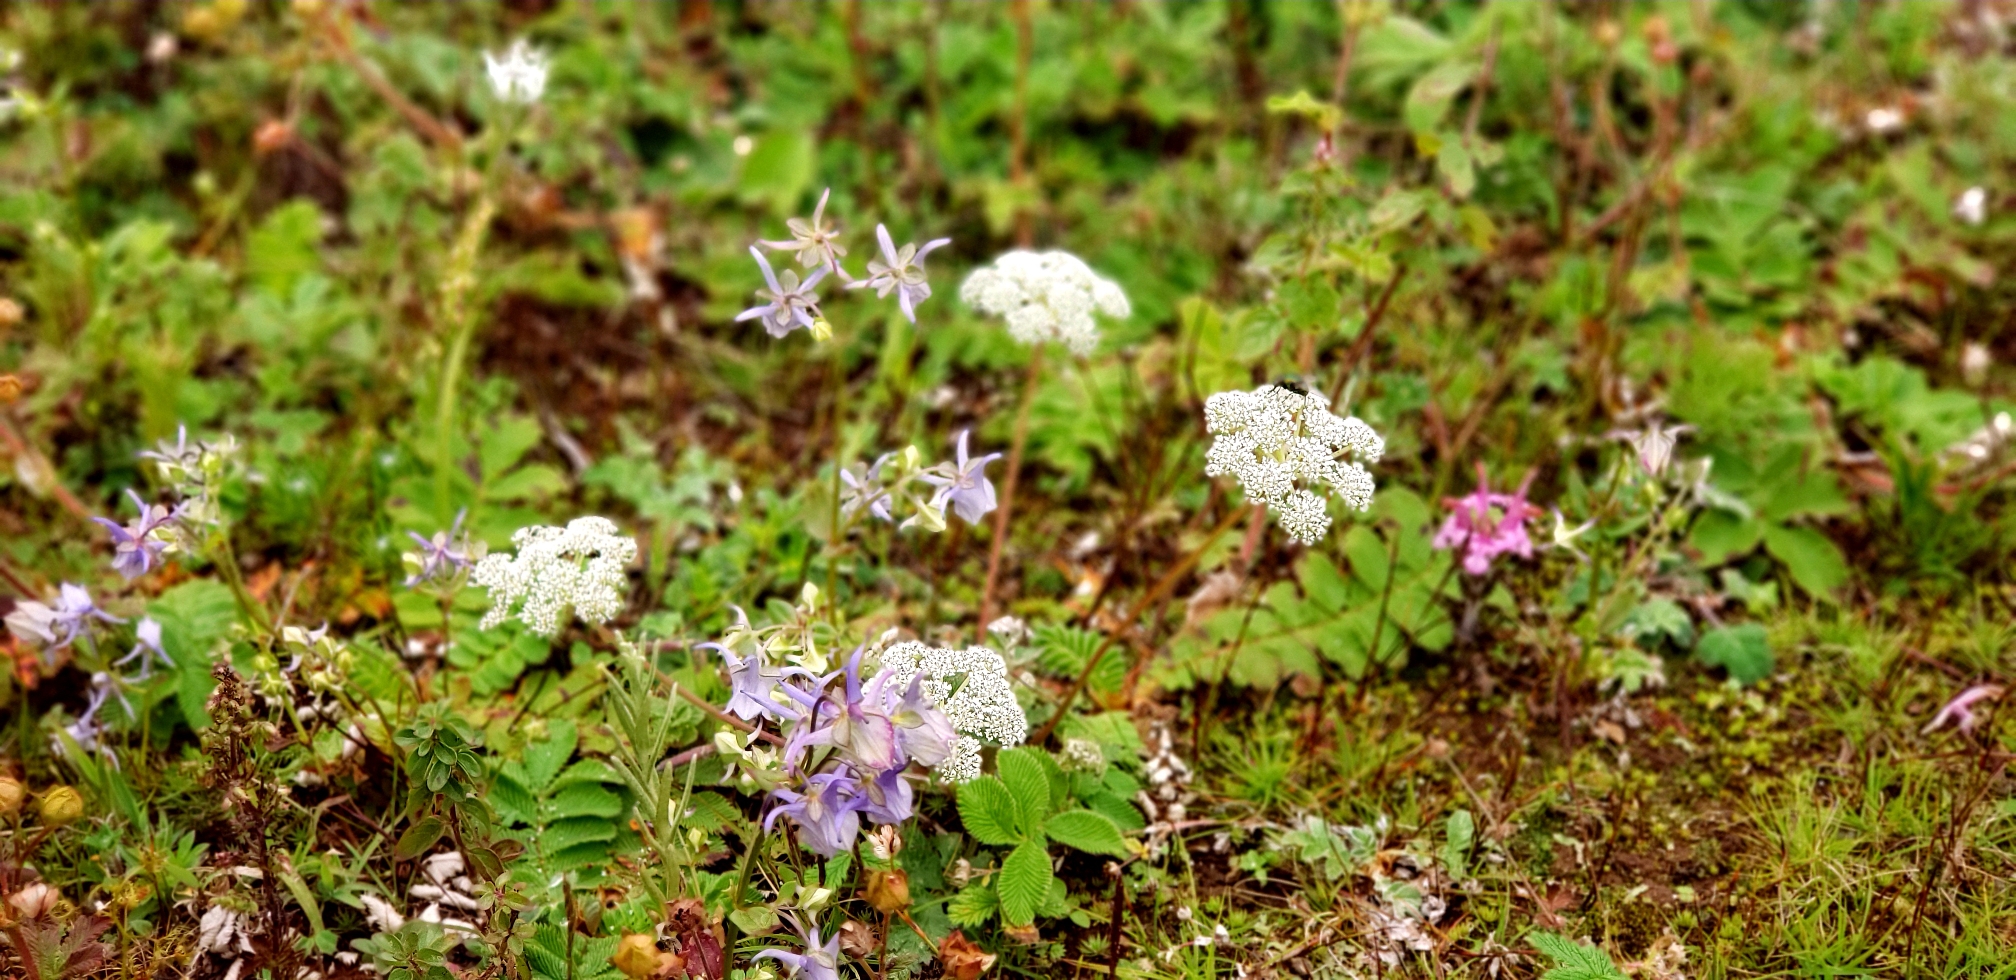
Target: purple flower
{"points": [[87, 731], [792, 303], [56, 627], [888, 798], [865, 491], [860, 731], [1485, 525], [750, 683], [135, 546], [902, 271], [828, 813], [179, 454], [441, 557], [923, 732], [816, 242], [1961, 708], [146, 649], [964, 484], [818, 962]]}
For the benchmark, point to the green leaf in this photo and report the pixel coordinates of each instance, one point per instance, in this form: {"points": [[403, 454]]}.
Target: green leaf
{"points": [[973, 906], [544, 759], [988, 811], [193, 617], [418, 838], [1720, 535], [1574, 961], [1809, 557], [1088, 831], [1028, 783], [1743, 650], [1453, 162], [778, 169], [1460, 831], [585, 800], [285, 246], [1023, 882]]}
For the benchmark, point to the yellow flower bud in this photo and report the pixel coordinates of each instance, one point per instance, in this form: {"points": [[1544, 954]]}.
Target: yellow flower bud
{"points": [[61, 806], [12, 794], [638, 957], [888, 891], [821, 330]]}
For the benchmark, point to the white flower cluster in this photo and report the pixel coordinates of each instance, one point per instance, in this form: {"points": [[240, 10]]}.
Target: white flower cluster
{"points": [[1044, 296], [971, 686], [1283, 446], [519, 76], [579, 567]]}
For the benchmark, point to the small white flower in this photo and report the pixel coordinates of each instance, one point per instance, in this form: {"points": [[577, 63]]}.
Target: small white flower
{"points": [[580, 567], [1283, 446], [1082, 755], [982, 709], [1045, 296], [1971, 206], [1884, 119], [519, 76]]}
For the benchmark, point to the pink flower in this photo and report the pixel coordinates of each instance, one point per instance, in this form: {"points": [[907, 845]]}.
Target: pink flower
{"points": [[1961, 708], [1485, 525]]}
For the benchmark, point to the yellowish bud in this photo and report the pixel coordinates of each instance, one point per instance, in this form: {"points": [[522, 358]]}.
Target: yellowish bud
{"points": [[61, 806], [888, 891], [12, 795]]}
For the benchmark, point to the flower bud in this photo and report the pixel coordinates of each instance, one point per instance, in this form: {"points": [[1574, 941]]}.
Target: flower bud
{"points": [[35, 901], [857, 939], [12, 794], [888, 891], [61, 806], [639, 958], [821, 330]]}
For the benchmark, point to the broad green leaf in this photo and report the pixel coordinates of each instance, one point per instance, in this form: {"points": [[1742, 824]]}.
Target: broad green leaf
{"points": [[1743, 650], [419, 837], [1028, 782], [779, 168], [544, 759], [1023, 882], [1459, 832], [973, 906], [193, 617], [1574, 961], [988, 811], [1720, 536], [1809, 557], [1088, 831]]}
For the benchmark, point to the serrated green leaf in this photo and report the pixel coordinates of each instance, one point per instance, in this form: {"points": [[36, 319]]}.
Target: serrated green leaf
{"points": [[1743, 650], [1023, 882], [543, 759], [973, 906], [988, 811], [563, 834], [1809, 557], [1117, 809], [584, 800], [1028, 782], [1088, 831], [513, 802], [1574, 961]]}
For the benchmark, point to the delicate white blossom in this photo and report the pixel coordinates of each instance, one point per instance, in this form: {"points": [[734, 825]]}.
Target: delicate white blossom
{"points": [[1045, 296], [520, 75], [1285, 446], [580, 567], [971, 686], [1972, 206]]}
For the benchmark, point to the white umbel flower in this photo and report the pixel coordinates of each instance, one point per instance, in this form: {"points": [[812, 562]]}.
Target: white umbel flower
{"points": [[519, 76], [579, 567], [983, 708], [1045, 296], [1287, 449]]}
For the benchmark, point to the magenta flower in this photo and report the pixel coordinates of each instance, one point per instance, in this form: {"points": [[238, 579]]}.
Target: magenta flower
{"points": [[1485, 525], [136, 546], [1961, 709]]}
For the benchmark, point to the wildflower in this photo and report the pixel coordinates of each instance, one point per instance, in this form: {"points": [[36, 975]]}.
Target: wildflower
{"points": [[1045, 296], [194, 471], [56, 627], [902, 271], [828, 813], [1960, 710], [444, 557], [1971, 206], [87, 731], [1082, 755], [146, 648], [818, 962], [1884, 119], [864, 490], [792, 302], [519, 76], [580, 568], [751, 683], [971, 687], [816, 242], [1485, 525], [964, 484], [1654, 446], [1282, 446], [1564, 537], [138, 545]]}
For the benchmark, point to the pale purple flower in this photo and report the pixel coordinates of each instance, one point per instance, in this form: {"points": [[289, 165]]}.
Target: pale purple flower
{"points": [[87, 731], [137, 546], [964, 483], [178, 454], [888, 798], [1485, 525], [816, 242], [792, 304], [146, 649], [750, 683], [818, 962], [442, 557], [901, 270], [56, 627], [828, 813], [865, 491], [1960, 710], [923, 731]]}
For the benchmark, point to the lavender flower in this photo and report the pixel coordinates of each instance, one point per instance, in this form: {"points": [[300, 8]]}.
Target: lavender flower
{"points": [[444, 557], [87, 731], [818, 962], [138, 545], [864, 490], [752, 685], [828, 813], [1960, 710], [146, 649], [816, 242], [56, 627], [792, 304], [1485, 525], [964, 484], [902, 271]]}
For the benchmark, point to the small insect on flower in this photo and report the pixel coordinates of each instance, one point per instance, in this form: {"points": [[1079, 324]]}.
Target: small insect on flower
{"points": [[1485, 525], [902, 271], [520, 75], [579, 568], [792, 304], [816, 242], [963, 483], [136, 546], [1285, 446], [1045, 296]]}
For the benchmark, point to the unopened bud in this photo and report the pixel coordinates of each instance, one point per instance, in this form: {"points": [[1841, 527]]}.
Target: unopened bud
{"points": [[12, 795], [821, 330], [888, 891], [61, 806], [638, 957], [857, 939], [35, 901]]}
